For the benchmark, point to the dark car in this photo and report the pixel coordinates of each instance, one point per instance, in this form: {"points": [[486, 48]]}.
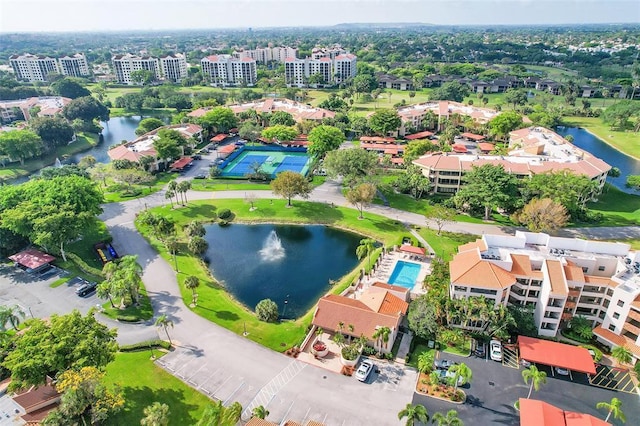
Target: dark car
{"points": [[86, 289], [197, 157], [443, 364], [200, 176], [480, 351]]}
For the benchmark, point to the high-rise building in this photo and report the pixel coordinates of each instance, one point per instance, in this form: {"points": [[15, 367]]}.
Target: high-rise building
{"points": [[173, 67], [267, 54], [74, 65], [124, 65], [325, 69], [223, 70], [30, 67]]}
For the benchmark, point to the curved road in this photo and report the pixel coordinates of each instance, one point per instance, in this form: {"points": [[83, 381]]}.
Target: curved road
{"points": [[231, 368]]}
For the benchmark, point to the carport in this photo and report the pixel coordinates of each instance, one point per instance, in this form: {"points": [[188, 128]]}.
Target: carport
{"points": [[553, 354], [32, 260]]}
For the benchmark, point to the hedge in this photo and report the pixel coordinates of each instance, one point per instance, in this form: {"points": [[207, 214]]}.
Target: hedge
{"points": [[83, 265], [143, 346]]}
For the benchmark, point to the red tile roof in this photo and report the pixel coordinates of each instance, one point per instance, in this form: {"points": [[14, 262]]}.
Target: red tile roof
{"points": [[227, 149], [556, 354], [473, 136], [486, 146], [391, 287], [419, 135], [540, 413], [181, 163], [32, 258], [459, 148], [617, 340], [469, 269], [219, 138], [412, 249]]}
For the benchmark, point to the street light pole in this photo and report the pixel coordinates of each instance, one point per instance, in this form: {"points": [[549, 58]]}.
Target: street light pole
{"points": [[284, 311]]}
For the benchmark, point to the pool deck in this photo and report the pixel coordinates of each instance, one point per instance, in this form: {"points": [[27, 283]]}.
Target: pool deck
{"points": [[387, 263]]}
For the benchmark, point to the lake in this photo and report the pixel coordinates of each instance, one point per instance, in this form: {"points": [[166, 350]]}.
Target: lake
{"points": [[280, 262], [596, 146]]}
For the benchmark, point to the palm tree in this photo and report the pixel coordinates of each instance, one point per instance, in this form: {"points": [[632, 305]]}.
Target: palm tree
{"points": [[365, 248], [169, 196], [460, 371], [614, 407], [218, 415], [183, 187], [451, 419], [163, 322], [104, 291], [351, 329], [172, 187], [194, 229], [621, 354], [536, 376], [192, 282], [260, 412], [413, 413], [172, 245], [382, 336], [425, 361], [156, 414], [11, 315], [197, 245]]}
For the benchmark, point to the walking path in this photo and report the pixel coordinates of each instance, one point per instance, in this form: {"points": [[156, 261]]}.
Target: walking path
{"points": [[231, 368]]}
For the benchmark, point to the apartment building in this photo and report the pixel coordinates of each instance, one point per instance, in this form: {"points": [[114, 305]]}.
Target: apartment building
{"points": [[21, 109], [173, 67], [533, 150], [30, 67], [412, 116], [333, 70], [559, 278], [124, 65], [267, 54], [225, 70], [74, 65]]}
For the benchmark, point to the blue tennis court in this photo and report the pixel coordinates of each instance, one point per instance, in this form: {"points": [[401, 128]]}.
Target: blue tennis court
{"points": [[271, 162]]}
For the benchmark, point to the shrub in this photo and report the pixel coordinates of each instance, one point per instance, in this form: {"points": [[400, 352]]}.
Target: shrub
{"points": [[369, 350], [128, 318], [142, 346], [224, 214], [83, 265], [267, 310], [351, 352]]}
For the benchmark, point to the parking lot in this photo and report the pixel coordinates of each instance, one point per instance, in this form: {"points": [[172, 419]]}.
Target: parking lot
{"points": [[495, 388], [613, 378]]}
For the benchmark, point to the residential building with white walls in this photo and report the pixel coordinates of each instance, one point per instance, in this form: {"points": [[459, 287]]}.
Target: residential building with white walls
{"points": [[31, 68]]}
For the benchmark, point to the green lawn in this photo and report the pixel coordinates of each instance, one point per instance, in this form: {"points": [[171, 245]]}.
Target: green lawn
{"points": [[83, 248], [418, 350], [462, 350], [617, 207], [446, 244], [215, 304], [139, 191], [626, 142], [143, 383], [132, 313], [227, 185]]}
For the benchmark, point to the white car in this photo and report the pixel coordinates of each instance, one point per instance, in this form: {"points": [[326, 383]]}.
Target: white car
{"points": [[495, 350], [364, 370], [562, 371]]}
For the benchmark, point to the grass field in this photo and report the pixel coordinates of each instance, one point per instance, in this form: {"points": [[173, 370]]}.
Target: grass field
{"points": [[627, 142], [617, 207], [142, 383], [446, 244], [215, 304], [139, 191]]}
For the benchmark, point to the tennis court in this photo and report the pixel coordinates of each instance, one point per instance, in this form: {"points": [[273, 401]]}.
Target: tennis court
{"points": [[271, 162]]}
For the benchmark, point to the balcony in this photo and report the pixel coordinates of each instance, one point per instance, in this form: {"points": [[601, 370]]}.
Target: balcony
{"points": [[552, 315], [574, 292], [631, 328]]}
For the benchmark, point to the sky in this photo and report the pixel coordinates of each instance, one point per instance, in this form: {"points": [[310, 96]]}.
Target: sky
{"points": [[119, 15]]}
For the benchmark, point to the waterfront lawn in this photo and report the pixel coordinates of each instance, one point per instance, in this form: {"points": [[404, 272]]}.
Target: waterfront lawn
{"points": [[618, 208], [218, 306], [625, 141], [142, 383], [228, 185], [446, 244]]}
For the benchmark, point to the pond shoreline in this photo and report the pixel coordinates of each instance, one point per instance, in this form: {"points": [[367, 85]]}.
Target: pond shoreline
{"points": [[590, 131]]}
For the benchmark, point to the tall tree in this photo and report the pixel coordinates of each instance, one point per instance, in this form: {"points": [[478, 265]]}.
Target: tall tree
{"points": [[169, 144], [20, 144], [217, 414], [165, 323], [279, 133], [564, 187], [622, 355], [72, 341], [195, 229], [289, 184], [148, 124], [450, 419], [197, 245], [415, 149], [361, 196], [324, 139], [460, 371], [440, 215], [219, 119], [614, 407], [487, 186], [352, 164], [413, 414], [537, 378], [86, 108], [365, 248], [156, 414], [281, 118], [516, 97], [450, 91], [506, 122], [11, 315], [542, 215], [384, 121], [69, 88], [192, 283]]}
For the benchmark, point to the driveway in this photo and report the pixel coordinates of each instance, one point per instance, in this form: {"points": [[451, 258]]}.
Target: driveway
{"points": [[495, 388]]}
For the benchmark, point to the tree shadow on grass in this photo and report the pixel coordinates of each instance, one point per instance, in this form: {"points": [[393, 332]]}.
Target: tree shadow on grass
{"points": [[227, 315], [201, 211], [136, 399], [318, 212]]}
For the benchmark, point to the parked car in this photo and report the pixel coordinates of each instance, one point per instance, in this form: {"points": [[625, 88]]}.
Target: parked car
{"points": [[447, 377], [562, 371], [481, 350], [197, 157], [495, 350], [525, 363], [443, 364], [86, 289], [200, 176], [364, 370]]}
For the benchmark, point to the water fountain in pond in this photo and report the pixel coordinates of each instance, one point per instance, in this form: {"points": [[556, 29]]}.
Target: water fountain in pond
{"points": [[57, 164], [272, 249]]}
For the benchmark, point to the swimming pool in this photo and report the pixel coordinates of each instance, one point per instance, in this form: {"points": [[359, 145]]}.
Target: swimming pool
{"points": [[404, 274]]}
